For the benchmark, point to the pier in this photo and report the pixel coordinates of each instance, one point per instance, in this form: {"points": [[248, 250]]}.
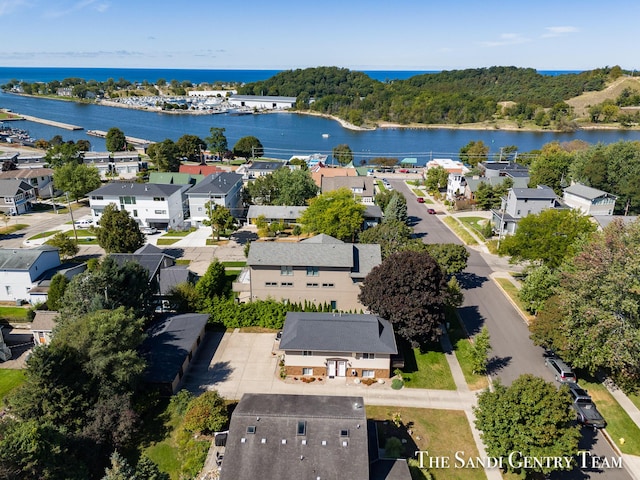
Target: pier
{"points": [[51, 123], [133, 140]]}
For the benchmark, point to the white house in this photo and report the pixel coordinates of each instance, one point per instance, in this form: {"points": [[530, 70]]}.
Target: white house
{"points": [[117, 164], [224, 189], [456, 185], [41, 179], [16, 196], [21, 268], [521, 202], [151, 205], [262, 102], [589, 201]]}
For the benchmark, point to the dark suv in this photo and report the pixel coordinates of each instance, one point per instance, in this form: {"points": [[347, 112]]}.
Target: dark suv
{"points": [[561, 370]]}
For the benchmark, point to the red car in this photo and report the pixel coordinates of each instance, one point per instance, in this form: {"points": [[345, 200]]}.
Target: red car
{"points": [[431, 211], [420, 200]]}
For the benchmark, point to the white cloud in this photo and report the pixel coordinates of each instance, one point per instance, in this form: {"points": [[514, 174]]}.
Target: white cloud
{"points": [[9, 6], [506, 39], [559, 31], [99, 6]]}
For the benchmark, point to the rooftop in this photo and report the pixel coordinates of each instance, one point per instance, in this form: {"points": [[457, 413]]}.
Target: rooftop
{"points": [[588, 193], [137, 189], [216, 184]]}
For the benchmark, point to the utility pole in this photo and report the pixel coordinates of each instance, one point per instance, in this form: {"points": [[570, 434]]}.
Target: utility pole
{"points": [[75, 233]]}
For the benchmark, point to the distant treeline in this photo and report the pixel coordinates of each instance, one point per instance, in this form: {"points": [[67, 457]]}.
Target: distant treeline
{"points": [[449, 97]]}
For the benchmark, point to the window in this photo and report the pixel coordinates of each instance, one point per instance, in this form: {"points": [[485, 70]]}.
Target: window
{"points": [[328, 285], [344, 432], [135, 213], [160, 212], [312, 285], [307, 371], [128, 200], [270, 284], [312, 271], [286, 284], [287, 271], [368, 373], [158, 199], [251, 429], [302, 428], [334, 305], [368, 356], [8, 289], [307, 353], [97, 197]]}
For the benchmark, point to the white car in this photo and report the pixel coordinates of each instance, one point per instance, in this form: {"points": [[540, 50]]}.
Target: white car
{"points": [[149, 230], [85, 222]]}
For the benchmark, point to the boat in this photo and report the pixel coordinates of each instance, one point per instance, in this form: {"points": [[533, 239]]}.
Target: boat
{"points": [[325, 135]]}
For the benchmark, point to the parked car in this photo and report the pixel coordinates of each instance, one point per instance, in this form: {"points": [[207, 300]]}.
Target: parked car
{"points": [[84, 222], [149, 230], [561, 370], [420, 200], [431, 211], [586, 411]]}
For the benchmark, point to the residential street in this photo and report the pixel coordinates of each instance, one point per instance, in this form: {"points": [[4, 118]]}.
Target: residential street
{"points": [[485, 304]]}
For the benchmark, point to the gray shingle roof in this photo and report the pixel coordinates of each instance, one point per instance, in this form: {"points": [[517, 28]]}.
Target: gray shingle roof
{"points": [[283, 454], [216, 184], [589, 193], [44, 320], [328, 332], [168, 343], [334, 183], [275, 211], [137, 189], [300, 254], [541, 193], [21, 258], [10, 187]]}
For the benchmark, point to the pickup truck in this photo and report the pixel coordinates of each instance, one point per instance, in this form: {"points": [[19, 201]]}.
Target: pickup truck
{"points": [[587, 413]]}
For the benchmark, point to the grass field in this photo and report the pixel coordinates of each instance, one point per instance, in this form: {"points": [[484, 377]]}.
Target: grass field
{"points": [[6, 230], [460, 231], [175, 233], [512, 291], [44, 234], [426, 369], [9, 379], [167, 241], [13, 314], [475, 224], [234, 264], [440, 432]]}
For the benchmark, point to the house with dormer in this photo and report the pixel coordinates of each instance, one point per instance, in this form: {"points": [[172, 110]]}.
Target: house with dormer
{"points": [[16, 196], [320, 270]]}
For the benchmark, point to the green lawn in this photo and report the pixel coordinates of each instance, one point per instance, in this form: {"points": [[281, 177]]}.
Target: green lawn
{"points": [[176, 233], [13, 314], [9, 379], [635, 398], [183, 261], [427, 369], [460, 231], [234, 264], [44, 234], [167, 241], [475, 224], [440, 432], [462, 349], [6, 230], [619, 424]]}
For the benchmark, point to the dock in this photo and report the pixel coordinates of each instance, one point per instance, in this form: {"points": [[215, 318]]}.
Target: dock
{"points": [[133, 140], [51, 123]]}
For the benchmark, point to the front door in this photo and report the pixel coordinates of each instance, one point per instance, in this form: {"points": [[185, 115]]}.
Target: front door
{"points": [[342, 368], [331, 368]]}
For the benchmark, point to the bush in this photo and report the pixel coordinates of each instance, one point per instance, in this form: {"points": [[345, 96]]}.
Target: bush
{"points": [[397, 384], [206, 413]]}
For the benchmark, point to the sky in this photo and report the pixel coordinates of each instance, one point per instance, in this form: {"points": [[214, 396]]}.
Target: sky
{"points": [[286, 34]]}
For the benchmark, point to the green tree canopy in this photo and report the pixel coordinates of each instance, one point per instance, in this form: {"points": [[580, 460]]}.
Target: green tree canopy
{"points": [[437, 178], [213, 283], [76, 179], [206, 413], [392, 235], [343, 154], [283, 187], [67, 246], [248, 147], [551, 167], [165, 155], [219, 218], [62, 154], [56, 290], [115, 140], [409, 289], [530, 417], [451, 257], [334, 213], [396, 209], [191, 147], [474, 152], [118, 231], [217, 141], [547, 237]]}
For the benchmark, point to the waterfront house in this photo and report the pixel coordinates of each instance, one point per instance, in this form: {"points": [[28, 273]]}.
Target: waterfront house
{"points": [[363, 188], [222, 189], [21, 268], [319, 270], [337, 345], [149, 204], [16, 196], [275, 213], [521, 202], [500, 169], [588, 200], [41, 179]]}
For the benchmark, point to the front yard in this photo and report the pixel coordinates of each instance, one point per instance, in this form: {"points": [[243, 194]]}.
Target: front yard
{"points": [[9, 379], [426, 368]]}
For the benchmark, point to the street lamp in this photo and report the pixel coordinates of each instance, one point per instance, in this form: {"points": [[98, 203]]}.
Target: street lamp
{"points": [[75, 234]]}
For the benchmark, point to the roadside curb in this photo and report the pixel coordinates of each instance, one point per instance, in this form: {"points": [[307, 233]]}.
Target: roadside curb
{"points": [[504, 292]]}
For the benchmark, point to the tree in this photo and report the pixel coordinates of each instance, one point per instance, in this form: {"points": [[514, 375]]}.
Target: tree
{"points": [[294, 187], [67, 246], [56, 291], [551, 167], [383, 198], [547, 237], [83, 145], [248, 147], [206, 413], [479, 351], [115, 140], [334, 213], [217, 141], [118, 231], [437, 178], [146, 469], [474, 152], [184, 298], [539, 285], [343, 154], [191, 147], [213, 283], [396, 208], [165, 155], [62, 153], [451, 257], [219, 219], [9, 165], [120, 468], [76, 179], [392, 235], [409, 289], [532, 418]]}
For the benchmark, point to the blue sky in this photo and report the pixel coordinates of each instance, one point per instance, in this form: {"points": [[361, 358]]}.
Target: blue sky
{"points": [[356, 34]]}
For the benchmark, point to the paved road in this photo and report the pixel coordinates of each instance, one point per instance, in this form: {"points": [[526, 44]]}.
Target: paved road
{"points": [[484, 304]]}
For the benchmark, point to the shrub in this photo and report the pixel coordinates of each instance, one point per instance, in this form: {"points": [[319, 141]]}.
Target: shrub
{"points": [[206, 413], [397, 384]]}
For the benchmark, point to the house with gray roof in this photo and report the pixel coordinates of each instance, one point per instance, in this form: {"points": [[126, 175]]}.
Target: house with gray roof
{"points": [[473, 183], [223, 189], [291, 214], [149, 204], [16, 196], [320, 270], [604, 220], [500, 169], [172, 342], [588, 200], [337, 345], [361, 187], [43, 324], [21, 268], [41, 179], [521, 202]]}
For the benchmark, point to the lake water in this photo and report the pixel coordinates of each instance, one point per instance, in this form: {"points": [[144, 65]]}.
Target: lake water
{"points": [[282, 134]]}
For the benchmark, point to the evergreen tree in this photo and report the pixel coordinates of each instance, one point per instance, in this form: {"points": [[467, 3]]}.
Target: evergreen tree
{"points": [[118, 232], [56, 290], [115, 140]]}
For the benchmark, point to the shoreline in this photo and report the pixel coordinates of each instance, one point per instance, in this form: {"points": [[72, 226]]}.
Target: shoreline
{"points": [[380, 124]]}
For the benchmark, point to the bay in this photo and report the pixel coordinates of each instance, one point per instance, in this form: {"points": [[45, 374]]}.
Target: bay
{"points": [[283, 134]]}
